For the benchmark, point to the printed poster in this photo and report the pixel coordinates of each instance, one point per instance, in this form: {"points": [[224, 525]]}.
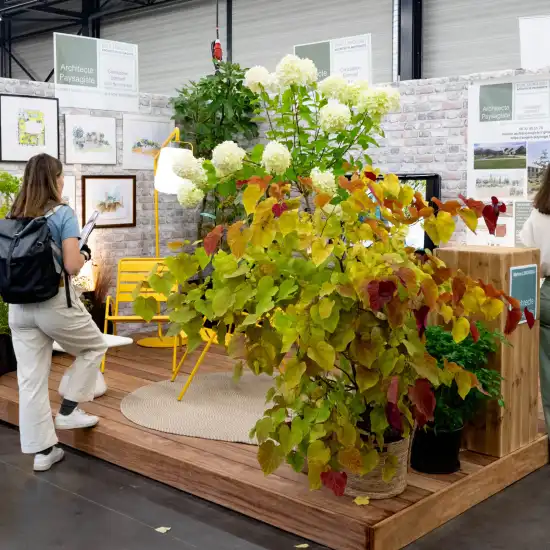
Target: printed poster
{"points": [[96, 74], [508, 148]]}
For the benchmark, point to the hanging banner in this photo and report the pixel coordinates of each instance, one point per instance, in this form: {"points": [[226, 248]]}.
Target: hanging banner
{"points": [[96, 74], [534, 41], [349, 57], [508, 147]]}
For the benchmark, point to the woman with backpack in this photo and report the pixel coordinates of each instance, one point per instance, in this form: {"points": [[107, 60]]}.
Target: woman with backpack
{"points": [[47, 309]]}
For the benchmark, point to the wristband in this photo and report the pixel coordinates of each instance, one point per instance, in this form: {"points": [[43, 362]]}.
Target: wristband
{"points": [[86, 255]]}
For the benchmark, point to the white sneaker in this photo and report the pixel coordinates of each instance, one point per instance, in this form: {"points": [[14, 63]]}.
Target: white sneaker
{"points": [[43, 463], [77, 419]]}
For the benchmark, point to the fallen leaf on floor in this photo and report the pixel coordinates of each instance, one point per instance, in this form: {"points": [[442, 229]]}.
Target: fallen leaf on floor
{"points": [[163, 529], [362, 501], [302, 546]]}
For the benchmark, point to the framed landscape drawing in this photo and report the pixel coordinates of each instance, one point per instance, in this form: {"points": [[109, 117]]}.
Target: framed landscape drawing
{"points": [[90, 139], [29, 125], [142, 137], [69, 191], [113, 196]]}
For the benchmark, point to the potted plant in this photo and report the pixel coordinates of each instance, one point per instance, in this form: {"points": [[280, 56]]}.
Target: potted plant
{"points": [[436, 447], [320, 291], [215, 109]]}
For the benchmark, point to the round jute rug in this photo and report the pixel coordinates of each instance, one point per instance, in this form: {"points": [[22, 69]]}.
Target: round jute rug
{"points": [[214, 407]]}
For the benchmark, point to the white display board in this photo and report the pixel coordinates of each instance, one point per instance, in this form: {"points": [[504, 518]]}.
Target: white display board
{"points": [[534, 39], [96, 74]]}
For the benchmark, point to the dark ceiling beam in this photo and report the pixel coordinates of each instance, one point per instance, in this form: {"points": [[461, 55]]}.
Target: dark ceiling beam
{"points": [[57, 11], [139, 9], [26, 35]]}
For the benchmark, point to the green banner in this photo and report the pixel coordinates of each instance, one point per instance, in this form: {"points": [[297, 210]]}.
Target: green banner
{"points": [[524, 286], [495, 102], [319, 53], [75, 61]]}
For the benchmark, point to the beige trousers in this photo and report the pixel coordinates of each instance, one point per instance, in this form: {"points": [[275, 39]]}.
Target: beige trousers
{"points": [[34, 327]]}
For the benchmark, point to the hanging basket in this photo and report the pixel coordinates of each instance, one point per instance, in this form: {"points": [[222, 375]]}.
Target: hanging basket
{"points": [[372, 485]]}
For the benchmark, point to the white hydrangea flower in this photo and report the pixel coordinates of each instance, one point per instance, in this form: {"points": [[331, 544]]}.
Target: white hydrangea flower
{"points": [[257, 79], [293, 70], [335, 87], [334, 117], [189, 195], [323, 181], [227, 158], [379, 101], [354, 91], [276, 158], [189, 167]]}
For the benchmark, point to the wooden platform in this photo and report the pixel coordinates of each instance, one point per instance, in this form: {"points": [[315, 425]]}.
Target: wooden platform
{"points": [[228, 473]]}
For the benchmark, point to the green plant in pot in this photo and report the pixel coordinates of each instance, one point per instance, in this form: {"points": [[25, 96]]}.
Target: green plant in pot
{"points": [[215, 109], [436, 446], [326, 300]]}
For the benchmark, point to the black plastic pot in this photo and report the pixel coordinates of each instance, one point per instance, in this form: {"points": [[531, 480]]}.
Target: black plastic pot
{"points": [[436, 452], [8, 363], [97, 311]]}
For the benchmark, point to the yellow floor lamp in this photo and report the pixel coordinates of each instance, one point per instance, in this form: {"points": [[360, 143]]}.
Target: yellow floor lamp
{"points": [[166, 181]]}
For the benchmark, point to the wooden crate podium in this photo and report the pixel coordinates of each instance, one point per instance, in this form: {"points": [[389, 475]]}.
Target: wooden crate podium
{"points": [[498, 432]]}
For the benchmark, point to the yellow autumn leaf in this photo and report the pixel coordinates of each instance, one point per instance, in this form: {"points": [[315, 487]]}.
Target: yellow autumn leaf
{"points": [[406, 194], [440, 228], [361, 501], [251, 196], [391, 185], [473, 299], [492, 308], [469, 217], [446, 312], [288, 222], [464, 383], [461, 329], [302, 546], [238, 239], [320, 251], [351, 459]]}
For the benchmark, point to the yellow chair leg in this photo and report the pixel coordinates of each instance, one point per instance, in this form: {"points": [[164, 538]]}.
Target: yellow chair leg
{"points": [[103, 364], [180, 364], [196, 367]]}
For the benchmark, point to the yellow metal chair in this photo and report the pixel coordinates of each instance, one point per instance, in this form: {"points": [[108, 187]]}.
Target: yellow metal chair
{"points": [[209, 337], [131, 272]]}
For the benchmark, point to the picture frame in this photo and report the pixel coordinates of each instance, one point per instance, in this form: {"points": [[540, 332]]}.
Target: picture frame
{"points": [[142, 138], [29, 125], [90, 139], [69, 191], [113, 196]]}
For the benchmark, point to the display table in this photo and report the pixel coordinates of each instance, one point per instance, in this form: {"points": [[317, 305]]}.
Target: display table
{"points": [[498, 432]]}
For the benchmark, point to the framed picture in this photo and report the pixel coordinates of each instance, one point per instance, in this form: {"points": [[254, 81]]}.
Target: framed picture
{"points": [[29, 125], [69, 191], [90, 139], [113, 196], [142, 138]]}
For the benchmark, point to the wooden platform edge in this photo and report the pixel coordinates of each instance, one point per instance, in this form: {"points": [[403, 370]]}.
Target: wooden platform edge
{"points": [[428, 514]]}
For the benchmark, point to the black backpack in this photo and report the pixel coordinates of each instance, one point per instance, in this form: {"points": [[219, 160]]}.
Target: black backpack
{"points": [[30, 261]]}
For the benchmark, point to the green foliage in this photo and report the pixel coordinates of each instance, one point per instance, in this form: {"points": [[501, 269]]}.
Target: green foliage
{"points": [[452, 411], [4, 321], [215, 109], [9, 187]]}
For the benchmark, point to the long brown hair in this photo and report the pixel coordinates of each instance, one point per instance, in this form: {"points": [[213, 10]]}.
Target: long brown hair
{"points": [[542, 198], [39, 190]]}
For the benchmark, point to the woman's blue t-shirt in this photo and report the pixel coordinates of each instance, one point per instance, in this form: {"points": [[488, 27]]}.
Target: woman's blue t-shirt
{"points": [[63, 224]]}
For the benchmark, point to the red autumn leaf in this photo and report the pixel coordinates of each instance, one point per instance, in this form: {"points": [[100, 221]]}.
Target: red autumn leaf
{"points": [[262, 181], [407, 277], [441, 275], [279, 208], [529, 317], [423, 399], [421, 256], [421, 316], [452, 207], [472, 204], [491, 218], [393, 414], [490, 290], [335, 481], [380, 293], [370, 175], [212, 240], [474, 331], [396, 312], [514, 302], [418, 202], [241, 183], [512, 320], [393, 390], [459, 289]]}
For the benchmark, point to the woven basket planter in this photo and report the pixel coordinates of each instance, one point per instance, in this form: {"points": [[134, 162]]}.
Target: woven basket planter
{"points": [[372, 485]]}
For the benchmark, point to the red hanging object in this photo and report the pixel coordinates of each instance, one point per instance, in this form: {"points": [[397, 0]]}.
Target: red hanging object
{"points": [[217, 52]]}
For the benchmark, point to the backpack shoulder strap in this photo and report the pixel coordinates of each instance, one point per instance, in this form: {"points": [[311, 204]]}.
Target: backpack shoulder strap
{"points": [[53, 210]]}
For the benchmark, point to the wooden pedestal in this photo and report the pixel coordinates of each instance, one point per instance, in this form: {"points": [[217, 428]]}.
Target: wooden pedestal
{"points": [[498, 432]]}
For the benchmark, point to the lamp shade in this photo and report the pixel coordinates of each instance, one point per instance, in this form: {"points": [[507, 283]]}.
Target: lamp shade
{"points": [[166, 180]]}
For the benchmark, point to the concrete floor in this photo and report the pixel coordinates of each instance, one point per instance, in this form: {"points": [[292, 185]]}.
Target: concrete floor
{"points": [[87, 504]]}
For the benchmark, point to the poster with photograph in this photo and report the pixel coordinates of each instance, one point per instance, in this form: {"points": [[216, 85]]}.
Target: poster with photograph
{"points": [[508, 146], [29, 126], [90, 139], [142, 138], [113, 196]]}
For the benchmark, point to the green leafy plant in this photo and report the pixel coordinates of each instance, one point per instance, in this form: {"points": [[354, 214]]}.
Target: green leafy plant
{"points": [[329, 300], [9, 187], [452, 409], [215, 109]]}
